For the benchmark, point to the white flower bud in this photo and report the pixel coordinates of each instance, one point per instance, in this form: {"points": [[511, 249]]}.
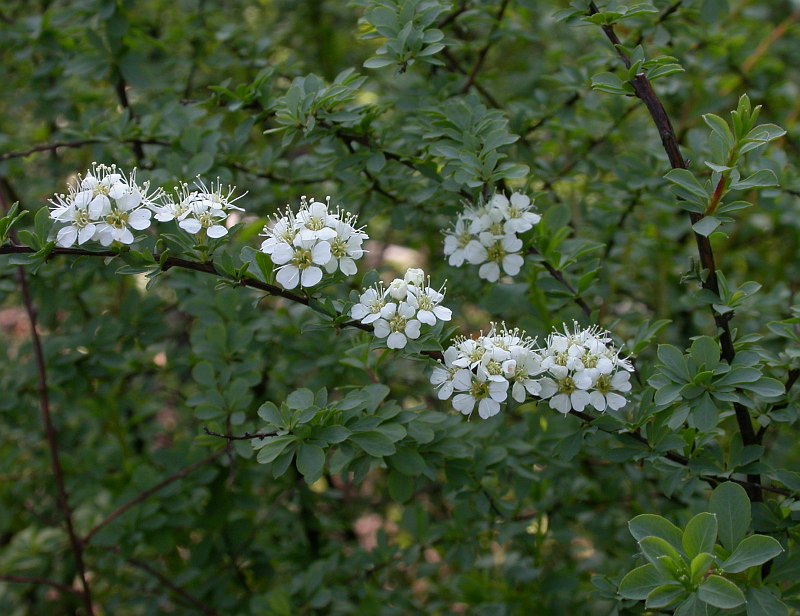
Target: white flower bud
{"points": [[398, 289], [415, 276]]}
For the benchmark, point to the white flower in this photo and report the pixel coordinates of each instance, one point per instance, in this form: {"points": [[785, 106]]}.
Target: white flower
{"points": [[398, 289], [345, 248], [605, 395], [426, 302], [397, 325], [456, 241], [516, 211], [216, 197], [301, 262], [370, 304], [485, 393], [520, 370], [202, 215], [564, 394], [414, 276], [443, 376], [314, 221], [104, 205], [500, 253], [283, 231], [177, 207]]}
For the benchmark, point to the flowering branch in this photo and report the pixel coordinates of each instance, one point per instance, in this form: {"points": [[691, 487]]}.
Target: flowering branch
{"points": [[148, 493]]}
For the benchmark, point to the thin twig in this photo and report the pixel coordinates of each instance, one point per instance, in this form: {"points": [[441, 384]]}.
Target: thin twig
{"points": [[49, 428], [240, 437], [148, 493], [485, 50], [167, 583], [49, 147], [564, 282], [37, 581]]}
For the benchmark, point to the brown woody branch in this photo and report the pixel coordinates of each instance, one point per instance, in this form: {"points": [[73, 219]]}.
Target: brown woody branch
{"points": [[37, 581], [669, 140]]}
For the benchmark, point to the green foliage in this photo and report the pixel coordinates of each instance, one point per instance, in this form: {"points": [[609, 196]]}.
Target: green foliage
{"points": [[228, 447], [688, 569]]}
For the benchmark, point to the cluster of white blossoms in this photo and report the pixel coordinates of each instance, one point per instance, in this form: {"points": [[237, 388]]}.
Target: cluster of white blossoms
{"points": [[487, 235], [105, 204], [573, 370], [398, 312], [312, 240], [200, 208]]}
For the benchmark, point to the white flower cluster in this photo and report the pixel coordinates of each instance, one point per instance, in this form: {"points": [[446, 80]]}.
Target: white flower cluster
{"points": [[105, 204], [398, 312], [313, 240], [481, 371], [200, 208], [487, 235], [572, 371], [583, 368]]}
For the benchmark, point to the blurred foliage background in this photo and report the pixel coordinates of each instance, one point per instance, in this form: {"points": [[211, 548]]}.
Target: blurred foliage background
{"points": [[509, 516]]}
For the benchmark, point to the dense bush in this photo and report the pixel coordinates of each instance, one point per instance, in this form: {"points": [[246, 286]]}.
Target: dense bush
{"points": [[206, 409]]}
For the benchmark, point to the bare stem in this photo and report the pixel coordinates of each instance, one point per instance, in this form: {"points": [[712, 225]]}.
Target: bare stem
{"points": [[148, 493]]}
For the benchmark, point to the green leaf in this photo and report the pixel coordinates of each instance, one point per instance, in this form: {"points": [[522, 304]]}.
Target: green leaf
{"points": [[673, 360], [719, 592], [374, 443], [651, 525], [270, 413], [705, 351], [300, 399], [706, 225], [761, 602], [720, 127], [686, 180], [661, 554], [766, 387], [700, 534], [730, 503], [401, 487], [379, 62], [310, 460], [665, 595], [760, 179], [640, 582], [692, 606], [332, 434], [700, 565], [409, 462], [752, 551], [270, 448]]}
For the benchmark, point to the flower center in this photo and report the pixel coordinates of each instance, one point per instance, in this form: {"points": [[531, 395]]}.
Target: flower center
{"points": [[424, 302], [495, 253], [206, 219], [476, 354], [397, 324], [302, 259], [81, 218], [315, 224], [376, 306], [494, 368], [603, 384], [339, 248], [514, 212], [464, 239], [590, 361], [479, 390], [117, 219], [496, 229], [566, 386]]}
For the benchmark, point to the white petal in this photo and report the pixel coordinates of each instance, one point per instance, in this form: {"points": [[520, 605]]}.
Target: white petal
{"points": [[561, 403], [427, 317], [412, 329], [288, 277], [359, 311], [66, 237], [488, 408], [381, 328], [512, 264], [85, 234], [615, 401], [464, 403], [216, 231], [597, 400], [321, 253], [396, 340], [489, 271], [579, 399], [282, 253], [190, 225], [310, 276], [442, 313], [140, 219], [348, 266]]}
